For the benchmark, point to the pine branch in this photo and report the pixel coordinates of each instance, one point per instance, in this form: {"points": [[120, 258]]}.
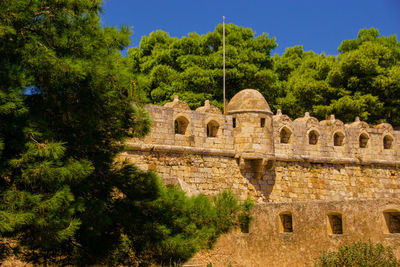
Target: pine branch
{"points": [[33, 139]]}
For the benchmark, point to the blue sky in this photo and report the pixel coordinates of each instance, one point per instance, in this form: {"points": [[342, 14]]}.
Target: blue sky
{"points": [[318, 25]]}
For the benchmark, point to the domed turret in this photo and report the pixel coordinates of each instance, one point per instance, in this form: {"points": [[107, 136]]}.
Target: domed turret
{"points": [[252, 123], [248, 100]]}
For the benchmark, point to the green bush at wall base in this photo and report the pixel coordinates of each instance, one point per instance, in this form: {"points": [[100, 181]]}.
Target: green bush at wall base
{"points": [[359, 254]]}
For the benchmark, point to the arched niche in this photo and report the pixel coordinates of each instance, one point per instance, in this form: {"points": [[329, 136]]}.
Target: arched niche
{"points": [[212, 128], [363, 140], [391, 221], [338, 138], [313, 137], [181, 124], [335, 223], [286, 222], [387, 142], [285, 135]]}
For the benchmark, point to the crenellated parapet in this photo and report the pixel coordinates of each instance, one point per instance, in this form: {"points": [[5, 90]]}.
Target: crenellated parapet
{"points": [[270, 157], [175, 127], [251, 132], [332, 141]]}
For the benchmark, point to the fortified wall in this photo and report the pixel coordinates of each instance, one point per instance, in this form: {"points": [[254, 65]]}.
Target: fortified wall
{"points": [[252, 151], [316, 227], [319, 184]]}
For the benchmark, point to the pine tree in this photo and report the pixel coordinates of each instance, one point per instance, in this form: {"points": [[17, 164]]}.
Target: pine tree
{"points": [[65, 110], [64, 113]]}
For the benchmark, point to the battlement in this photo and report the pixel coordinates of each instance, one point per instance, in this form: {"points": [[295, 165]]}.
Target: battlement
{"points": [[252, 151], [251, 132], [328, 183], [335, 142]]}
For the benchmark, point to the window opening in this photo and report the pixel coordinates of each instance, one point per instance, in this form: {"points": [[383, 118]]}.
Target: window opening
{"points": [[335, 224], [392, 219], [286, 223], [338, 139], [212, 129], [262, 122], [234, 122], [313, 138], [285, 135], [363, 141], [387, 142], [181, 125]]}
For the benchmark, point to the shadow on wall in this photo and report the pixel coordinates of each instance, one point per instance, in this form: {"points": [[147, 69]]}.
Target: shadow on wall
{"points": [[262, 177]]}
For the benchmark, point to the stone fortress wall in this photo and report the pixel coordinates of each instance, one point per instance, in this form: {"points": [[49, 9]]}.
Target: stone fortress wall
{"points": [[316, 227], [270, 157], [319, 184]]}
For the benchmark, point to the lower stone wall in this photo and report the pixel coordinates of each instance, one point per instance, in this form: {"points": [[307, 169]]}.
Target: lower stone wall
{"points": [[301, 181], [207, 174], [267, 245], [284, 181]]}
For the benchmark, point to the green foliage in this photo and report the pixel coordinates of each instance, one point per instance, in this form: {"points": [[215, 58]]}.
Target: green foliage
{"points": [[62, 195], [191, 67], [173, 227], [362, 81], [58, 143], [359, 254], [245, 216]]}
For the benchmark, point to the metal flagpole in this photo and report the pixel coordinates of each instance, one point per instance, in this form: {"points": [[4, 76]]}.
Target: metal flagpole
{"points": [[223, 55]]}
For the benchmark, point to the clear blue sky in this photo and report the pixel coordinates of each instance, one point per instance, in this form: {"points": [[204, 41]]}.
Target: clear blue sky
{"points": [[318, 25]]}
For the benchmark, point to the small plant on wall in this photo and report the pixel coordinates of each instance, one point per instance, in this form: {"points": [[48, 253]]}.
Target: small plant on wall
{"points": [[245, 217]]}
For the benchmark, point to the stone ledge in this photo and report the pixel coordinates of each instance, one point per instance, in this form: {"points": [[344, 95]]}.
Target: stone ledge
{"points": [[231, 153], [282, 157], [182, 149]]}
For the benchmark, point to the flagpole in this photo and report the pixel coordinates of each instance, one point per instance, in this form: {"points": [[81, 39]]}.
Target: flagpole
{"points": [[223, 55]]}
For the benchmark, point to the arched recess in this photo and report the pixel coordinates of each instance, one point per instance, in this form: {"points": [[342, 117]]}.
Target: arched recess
{"points": [[338, 138], [285, 135], [387, 142], [181, 124], [391, 221], [212, 128], [335, 223], [313, 137], [363, 140], [285, 222]]}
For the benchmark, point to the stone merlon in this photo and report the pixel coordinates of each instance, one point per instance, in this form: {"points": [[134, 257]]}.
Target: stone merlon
{"points": [[251, 131]]}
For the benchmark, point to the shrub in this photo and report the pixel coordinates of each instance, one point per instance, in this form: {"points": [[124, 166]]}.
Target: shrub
{"points": [[172, 228], [359, 254]]}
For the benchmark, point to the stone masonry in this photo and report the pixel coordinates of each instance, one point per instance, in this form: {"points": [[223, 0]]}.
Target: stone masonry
{"points": [[319, 184], [269, 157]]}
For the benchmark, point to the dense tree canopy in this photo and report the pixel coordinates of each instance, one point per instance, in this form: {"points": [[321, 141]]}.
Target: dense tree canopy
{"points": [[362, 80], [191, 67]]}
